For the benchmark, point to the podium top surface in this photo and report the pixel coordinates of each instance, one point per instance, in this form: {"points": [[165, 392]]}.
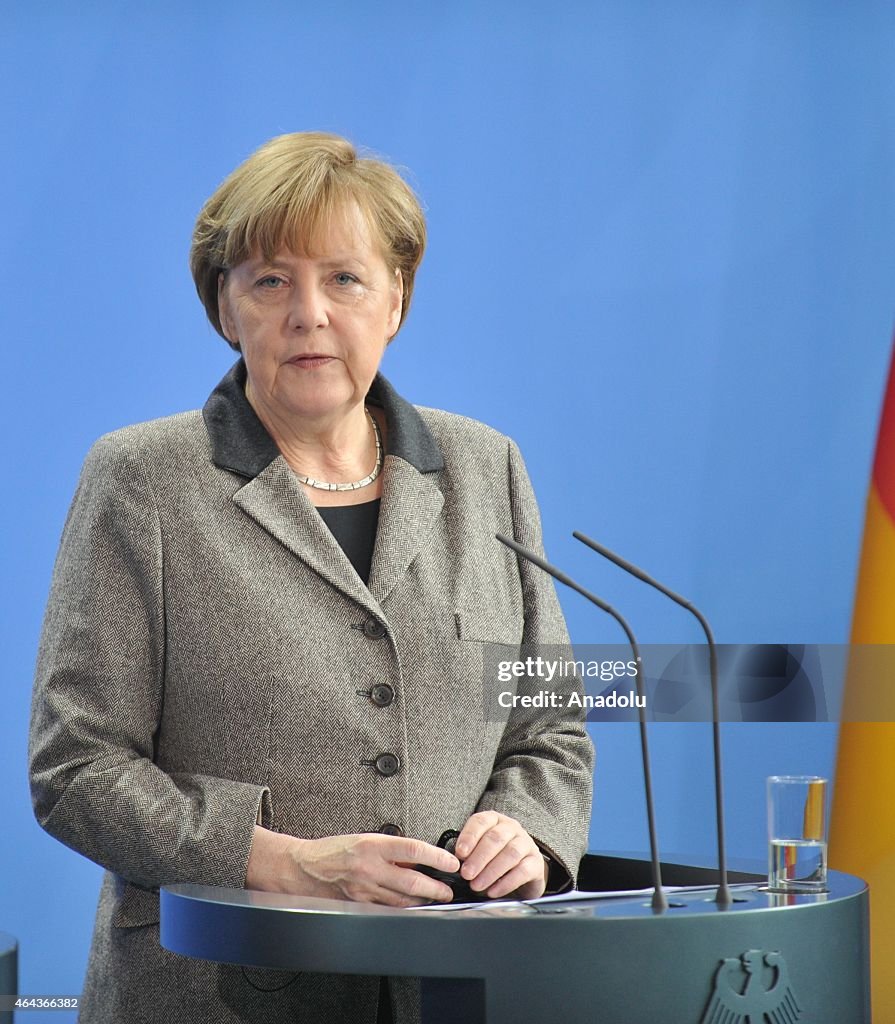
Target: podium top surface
{"points": [[748, 898]]}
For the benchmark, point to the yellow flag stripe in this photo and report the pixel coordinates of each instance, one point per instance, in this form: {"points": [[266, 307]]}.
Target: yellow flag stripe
{"points": [[874, 618], [862, 835]]}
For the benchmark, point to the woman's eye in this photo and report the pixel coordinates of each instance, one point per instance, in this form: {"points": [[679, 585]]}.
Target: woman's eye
{"points": [[271, 281], [345, 278]]}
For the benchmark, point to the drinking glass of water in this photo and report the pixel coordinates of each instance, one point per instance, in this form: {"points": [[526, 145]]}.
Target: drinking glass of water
{"points": [[797, 833]]}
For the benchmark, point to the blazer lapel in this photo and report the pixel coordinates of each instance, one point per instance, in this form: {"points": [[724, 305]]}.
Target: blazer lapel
{"points": [[411, 505], [274, 499]]}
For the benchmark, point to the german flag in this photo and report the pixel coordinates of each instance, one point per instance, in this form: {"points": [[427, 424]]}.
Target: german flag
{"points": [[862, 836]]}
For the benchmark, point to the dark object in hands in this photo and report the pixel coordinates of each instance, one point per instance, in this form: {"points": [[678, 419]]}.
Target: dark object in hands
{"points": [[457, 884]]}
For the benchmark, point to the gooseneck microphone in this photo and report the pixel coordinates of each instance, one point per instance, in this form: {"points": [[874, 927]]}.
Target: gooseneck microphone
{"points": [[723, 895], [659, 902]]}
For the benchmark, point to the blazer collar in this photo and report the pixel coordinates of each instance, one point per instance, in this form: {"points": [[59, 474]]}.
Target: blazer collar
{"points": [[271, 495], [241, 443]]}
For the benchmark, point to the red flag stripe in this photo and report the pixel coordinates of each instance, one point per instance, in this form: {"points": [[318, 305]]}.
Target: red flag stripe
{"points": [[884, 463]]}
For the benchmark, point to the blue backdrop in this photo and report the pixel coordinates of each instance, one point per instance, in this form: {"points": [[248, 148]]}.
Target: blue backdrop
{"points": [[661, 258]]}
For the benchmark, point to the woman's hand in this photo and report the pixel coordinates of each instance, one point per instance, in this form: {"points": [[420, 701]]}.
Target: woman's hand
{"points": [[367, 868], [499, 857]]}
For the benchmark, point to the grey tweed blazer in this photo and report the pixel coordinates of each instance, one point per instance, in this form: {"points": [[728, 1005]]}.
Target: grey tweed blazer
{"points": [[207, 661]]}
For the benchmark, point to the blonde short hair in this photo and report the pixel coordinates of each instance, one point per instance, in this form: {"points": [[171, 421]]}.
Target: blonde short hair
{"points": [[286, 194]]}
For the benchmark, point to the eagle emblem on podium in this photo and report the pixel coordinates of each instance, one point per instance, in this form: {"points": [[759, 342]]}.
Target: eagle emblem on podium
{"points": [[735, 1002]]}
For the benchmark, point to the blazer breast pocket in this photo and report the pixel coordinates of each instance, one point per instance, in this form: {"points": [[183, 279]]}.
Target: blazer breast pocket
{"points": [[484, 626]]}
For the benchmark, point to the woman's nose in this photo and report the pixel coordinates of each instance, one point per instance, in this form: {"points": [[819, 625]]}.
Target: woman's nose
{"points": [[308, 310]]}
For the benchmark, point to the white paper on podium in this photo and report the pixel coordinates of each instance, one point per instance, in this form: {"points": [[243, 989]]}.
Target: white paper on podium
{"points": [[578, 894]]}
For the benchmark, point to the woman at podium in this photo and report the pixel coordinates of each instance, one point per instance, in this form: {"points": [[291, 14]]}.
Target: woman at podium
{"points": [[261, 663]]}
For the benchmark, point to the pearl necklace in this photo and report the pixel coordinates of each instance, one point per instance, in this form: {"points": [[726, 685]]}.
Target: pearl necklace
{"points": [[322, 485]]}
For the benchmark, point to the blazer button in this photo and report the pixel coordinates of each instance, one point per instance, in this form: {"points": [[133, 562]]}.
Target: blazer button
{"points": [[374, 629], [390, 829], [382, 695], [387, 764]]}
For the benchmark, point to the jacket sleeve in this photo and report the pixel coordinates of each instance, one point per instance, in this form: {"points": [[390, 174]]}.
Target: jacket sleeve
{"points": [[543, 772], [98, 697]]}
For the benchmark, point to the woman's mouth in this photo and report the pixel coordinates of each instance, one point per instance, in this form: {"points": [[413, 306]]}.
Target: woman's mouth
{"points": [[310, 361]]}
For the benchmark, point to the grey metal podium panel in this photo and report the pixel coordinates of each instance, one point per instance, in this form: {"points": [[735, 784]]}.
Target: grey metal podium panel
{"points": [[9, 972], [613, 961]]}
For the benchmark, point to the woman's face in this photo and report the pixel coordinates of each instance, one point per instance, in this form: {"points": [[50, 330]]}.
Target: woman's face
{"points": [[312, 329]]}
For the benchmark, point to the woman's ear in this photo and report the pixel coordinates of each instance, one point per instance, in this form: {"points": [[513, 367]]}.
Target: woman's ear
{"points": [[227, 324], [394, 318]]}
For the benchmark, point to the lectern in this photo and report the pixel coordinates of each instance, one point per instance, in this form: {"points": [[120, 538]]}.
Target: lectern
{"points": [[9, 973], [793, 958]]}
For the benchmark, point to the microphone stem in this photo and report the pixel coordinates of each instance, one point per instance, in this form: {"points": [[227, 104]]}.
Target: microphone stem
{"points": [[723, 895], [659, 901]]}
